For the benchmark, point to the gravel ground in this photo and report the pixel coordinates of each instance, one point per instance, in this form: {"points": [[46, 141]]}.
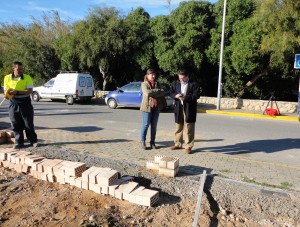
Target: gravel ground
{"points": [[247, 201]]}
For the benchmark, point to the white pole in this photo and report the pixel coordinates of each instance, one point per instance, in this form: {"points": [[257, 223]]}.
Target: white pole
{"points": [[221, 58], [197, 211]]}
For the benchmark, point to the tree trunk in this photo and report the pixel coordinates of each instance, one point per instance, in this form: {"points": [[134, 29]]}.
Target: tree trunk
{"points": [[250, 83], [104, 76]]}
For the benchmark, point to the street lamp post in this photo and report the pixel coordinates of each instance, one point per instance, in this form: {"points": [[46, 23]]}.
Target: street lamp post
{"points": [[221, 58]]}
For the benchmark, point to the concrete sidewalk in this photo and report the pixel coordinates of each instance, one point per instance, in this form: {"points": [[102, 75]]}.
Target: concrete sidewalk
{"points": [[269, 174]]}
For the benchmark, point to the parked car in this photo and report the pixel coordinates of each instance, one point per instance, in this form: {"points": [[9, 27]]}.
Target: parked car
{"points": [[130, 95], [66, 85]]}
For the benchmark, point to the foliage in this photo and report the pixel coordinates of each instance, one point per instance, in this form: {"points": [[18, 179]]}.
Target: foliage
{"points": [[180, 39], [261, 39]]}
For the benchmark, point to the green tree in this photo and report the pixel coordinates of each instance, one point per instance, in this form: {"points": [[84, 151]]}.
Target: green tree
{"points": [[181, 38], [33, 45]]}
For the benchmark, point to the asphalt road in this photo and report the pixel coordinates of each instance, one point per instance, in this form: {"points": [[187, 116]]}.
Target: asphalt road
{"points": [[257, 139]]}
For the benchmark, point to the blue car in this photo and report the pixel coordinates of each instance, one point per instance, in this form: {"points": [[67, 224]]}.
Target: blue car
{"points": [[130, 95]]}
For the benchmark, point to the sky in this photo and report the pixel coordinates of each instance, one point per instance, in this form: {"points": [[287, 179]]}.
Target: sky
{"points": [[22, 11]]}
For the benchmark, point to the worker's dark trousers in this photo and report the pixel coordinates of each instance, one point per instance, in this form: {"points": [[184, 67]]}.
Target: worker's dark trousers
{"points": [[21, 116]]}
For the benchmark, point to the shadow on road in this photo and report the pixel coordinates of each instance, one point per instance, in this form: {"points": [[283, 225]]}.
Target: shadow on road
{"points": [[267, 146]]}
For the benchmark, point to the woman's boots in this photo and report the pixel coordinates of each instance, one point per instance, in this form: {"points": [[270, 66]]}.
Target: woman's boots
{"points": [[152, 145]]}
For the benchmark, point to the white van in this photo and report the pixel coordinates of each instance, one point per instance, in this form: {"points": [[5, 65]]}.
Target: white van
{"points": [[66, 85]]}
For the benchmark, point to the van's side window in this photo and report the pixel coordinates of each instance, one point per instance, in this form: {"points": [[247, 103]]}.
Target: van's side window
{"points": [[81, 81], [49, 83]]}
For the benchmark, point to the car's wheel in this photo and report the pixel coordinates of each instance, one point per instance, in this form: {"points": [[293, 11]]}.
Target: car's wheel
{"points": [[69, 100], [112, 103], [35, 96]]}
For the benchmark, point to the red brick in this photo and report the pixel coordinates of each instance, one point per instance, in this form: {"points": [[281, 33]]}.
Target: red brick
{"points": [[95, 187], [85, 174], [145, 197], [93, 174], [125, 188], [168, 172], [78, 182], [107, 176], [115, 184], [48, 166], [30, 159], [34, 166], [75, 169], [50, 177], [18, 168], [25, 168], [131, 196], [85, 185], [5, 164], [104, 190], [152, 165]]}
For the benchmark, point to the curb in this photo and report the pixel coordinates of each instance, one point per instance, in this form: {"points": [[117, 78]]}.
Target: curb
{"points": [[251, 115]]}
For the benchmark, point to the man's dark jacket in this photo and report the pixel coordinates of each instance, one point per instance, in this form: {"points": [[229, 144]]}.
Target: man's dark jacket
{"points": [[189, 102]]}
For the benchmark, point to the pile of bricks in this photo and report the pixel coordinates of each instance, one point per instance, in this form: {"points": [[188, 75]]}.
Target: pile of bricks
{"points": [[166, 166], [103, 181], [7, 136]]}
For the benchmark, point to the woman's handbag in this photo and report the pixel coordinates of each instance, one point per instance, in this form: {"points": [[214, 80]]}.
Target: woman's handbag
{"points": [[163, 102]]}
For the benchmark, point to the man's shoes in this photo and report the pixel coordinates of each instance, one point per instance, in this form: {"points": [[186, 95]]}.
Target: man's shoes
{"points": [[35, 144], [188, 150], [18, 146], [152, 145], [175, 147]]}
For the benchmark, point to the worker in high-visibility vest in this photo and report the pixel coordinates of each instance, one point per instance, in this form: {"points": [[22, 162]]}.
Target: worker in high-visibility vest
{"points": [[18, 88]]}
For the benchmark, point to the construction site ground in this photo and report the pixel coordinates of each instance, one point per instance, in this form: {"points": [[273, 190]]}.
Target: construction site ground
{"points": [[238, 191], [26, 201]]}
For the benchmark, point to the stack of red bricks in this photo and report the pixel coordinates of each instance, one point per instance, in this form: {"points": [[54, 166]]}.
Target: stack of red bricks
{"points": [[166, 166], [7, 136], [103, 181]]}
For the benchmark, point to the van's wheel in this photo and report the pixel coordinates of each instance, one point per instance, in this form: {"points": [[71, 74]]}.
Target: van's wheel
{"points": [[112, 103], [35, 96], [69, 100]]}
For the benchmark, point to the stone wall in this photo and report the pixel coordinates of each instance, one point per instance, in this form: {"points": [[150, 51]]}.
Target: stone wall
{"points": [[247, 104], [100, 94]]}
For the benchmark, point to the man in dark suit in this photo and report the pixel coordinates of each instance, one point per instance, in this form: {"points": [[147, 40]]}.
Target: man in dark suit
{"points": [[186, 93]]}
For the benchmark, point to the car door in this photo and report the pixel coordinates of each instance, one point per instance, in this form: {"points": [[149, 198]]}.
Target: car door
{"points": [[46, 91], [89, 91], [130, 95]]}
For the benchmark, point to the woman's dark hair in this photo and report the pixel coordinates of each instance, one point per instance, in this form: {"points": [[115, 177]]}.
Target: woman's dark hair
{"points": [[150, 71]]}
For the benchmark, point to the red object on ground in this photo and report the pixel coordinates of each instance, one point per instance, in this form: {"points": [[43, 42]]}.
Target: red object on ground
{"points": [[271, 112]]}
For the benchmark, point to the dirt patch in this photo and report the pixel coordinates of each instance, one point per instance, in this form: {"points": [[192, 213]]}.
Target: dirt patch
{"points": [[26, 201]]}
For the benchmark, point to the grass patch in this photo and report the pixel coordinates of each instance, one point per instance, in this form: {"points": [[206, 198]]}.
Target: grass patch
{"points": [[223, 176], [283, 185], [224, 170]]}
